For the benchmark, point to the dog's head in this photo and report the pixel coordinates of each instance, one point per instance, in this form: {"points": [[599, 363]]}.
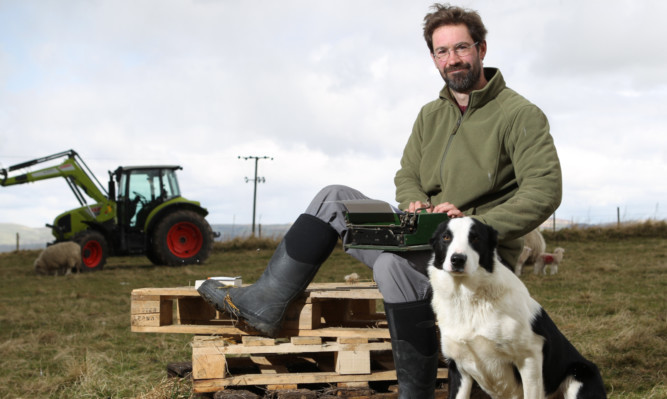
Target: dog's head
{"points": [[462, 245]]}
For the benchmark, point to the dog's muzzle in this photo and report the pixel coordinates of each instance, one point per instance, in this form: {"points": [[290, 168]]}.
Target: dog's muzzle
{"points": [[458, 262]]}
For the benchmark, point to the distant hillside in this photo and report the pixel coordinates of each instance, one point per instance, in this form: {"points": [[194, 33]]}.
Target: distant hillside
{"points": [[229, 231], [36, 238], [29, 237]]}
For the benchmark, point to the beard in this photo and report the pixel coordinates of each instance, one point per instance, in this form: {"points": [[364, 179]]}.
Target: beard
{"points": [[462, 82]]}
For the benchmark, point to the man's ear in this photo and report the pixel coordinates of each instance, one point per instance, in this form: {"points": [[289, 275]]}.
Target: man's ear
{"points": [[481, 48]]}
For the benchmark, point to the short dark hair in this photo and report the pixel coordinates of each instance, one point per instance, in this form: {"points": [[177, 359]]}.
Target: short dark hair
{"points": [[445, 14]]}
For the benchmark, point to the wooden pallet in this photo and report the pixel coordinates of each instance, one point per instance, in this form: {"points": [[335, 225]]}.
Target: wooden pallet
{"points": [[285, 364], [333, 334], [325, 309]]}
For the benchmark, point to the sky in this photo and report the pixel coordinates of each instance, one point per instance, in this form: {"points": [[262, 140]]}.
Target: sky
{"points": [[328, 91]]}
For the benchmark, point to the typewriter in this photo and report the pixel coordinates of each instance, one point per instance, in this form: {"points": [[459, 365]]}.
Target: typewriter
{"points": [[374, 224]]}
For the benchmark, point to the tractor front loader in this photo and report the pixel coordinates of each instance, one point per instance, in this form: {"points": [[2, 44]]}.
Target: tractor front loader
{"points": [[141, 213]]}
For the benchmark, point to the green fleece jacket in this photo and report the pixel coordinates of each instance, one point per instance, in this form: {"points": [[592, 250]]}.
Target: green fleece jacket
{"points": [[496, 162]]}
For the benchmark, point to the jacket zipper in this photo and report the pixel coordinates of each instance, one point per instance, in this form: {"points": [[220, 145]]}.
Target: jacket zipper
{"points": [[449, 142]]}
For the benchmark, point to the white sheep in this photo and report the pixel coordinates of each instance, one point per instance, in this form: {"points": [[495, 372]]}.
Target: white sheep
{"points": [[525, 253], [547, 260], [534, 241], [59, 259]]}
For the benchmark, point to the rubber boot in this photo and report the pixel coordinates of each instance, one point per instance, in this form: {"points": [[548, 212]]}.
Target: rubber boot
{"points": [[414, 344], [306, 245]]}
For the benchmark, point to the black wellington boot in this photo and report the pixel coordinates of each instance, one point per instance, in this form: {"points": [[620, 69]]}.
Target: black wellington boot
{"points": [[306, 245], [414, 344]]}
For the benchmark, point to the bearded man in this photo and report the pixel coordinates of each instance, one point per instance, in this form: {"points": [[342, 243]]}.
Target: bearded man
{"points": [[479, 150]]}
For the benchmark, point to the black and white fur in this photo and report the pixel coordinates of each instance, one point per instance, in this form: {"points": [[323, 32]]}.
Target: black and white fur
{"points": [[492, 331]]}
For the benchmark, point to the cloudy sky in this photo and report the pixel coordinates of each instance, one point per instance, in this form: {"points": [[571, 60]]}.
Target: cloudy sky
{"points": [[329, 90]]}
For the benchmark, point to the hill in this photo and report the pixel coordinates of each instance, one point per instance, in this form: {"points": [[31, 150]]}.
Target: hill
{"points": [[28, 237]]}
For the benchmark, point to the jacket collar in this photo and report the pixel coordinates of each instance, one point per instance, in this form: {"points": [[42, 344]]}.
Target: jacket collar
{"points": [[478, 98]]}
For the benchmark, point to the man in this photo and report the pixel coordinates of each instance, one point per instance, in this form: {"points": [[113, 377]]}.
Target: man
{"points": [[479, 150]]}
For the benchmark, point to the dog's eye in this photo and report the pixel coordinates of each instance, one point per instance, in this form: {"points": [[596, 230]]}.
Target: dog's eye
{"points": [[446, 237], [474, 237]]}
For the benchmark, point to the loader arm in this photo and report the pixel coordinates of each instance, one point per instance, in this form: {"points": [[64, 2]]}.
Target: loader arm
{"points": [[76, 173]]}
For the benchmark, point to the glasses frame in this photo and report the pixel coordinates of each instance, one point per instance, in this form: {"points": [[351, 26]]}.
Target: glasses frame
{"points": [[456, 49]]}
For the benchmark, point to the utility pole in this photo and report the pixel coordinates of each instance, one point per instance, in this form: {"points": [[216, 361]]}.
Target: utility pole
{"points": [[255, 181]]}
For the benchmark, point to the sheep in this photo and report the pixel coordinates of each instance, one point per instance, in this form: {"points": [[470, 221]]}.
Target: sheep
{"points": [[535, 242], [525, 253], [59, 259], [547, 260]]}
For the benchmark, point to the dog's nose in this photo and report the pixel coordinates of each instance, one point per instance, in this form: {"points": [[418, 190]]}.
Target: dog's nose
{"points": [[458, 260]]}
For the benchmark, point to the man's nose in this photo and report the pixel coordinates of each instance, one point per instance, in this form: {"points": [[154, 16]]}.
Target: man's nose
{"points": [[453, 59]]}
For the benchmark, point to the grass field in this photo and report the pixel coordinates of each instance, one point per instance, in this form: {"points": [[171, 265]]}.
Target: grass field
{"points": [[69, 337]]}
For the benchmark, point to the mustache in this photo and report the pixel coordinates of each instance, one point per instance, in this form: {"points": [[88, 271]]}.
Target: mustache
{"points": [[457, 67]]}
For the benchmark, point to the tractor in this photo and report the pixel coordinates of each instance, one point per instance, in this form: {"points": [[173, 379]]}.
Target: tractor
{"points": [[141, 213]]}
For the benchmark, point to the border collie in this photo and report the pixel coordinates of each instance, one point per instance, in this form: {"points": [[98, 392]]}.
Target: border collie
{"points": [[492, 331]]}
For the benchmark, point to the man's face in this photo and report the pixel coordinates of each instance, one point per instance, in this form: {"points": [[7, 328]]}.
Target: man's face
{"points": [[461, 73]]}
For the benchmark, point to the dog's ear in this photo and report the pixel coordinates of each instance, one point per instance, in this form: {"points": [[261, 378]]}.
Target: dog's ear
{"points": [[493, 237], [488, 244], [437, 234], [439, 248]]}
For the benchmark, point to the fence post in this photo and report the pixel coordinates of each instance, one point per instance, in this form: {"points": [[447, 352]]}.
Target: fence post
{"points": [[554, 222], [17, 242], [618, 216]]}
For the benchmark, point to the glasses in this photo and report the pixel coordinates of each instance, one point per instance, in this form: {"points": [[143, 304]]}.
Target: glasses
{"points": [[461, 50]]}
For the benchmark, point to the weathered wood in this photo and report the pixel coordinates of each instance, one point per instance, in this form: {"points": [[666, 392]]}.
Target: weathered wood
{"points": [[354, 344], [355, 361], [236, 394], [322, 309], [333, 335], [193, 310], [257, 341], [208, 362], [179, 369]]}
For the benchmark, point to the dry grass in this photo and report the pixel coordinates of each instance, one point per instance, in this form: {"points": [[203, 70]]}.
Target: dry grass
{"points": [[69, 337]]}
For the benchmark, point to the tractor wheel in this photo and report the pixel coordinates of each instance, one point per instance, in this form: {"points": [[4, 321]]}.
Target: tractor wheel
{"points": [[94, 250], [182, 238], [152, 256]]}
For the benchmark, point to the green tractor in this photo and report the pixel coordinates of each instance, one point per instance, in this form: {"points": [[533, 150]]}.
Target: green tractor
{"points": [[146, 215]]}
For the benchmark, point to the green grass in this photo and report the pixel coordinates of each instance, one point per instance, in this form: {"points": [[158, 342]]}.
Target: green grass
{"points": [[69, 337]]}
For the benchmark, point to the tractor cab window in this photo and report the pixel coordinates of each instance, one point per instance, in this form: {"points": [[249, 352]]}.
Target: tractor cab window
{"points": [[169, 184], [144, 189]]}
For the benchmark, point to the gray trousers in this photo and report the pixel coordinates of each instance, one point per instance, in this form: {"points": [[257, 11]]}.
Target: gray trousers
{"points": [[400, 276]]}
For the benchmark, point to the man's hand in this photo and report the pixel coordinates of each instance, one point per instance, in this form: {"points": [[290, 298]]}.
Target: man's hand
{"points": [[451, 210], [418, 205]]}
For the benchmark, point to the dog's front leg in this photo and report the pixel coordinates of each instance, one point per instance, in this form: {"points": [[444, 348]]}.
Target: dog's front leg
{"points": [[460, 382], [531, 378]]}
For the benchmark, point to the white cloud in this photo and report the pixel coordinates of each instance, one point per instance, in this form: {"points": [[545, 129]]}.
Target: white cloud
{"points": [[329, 90]]}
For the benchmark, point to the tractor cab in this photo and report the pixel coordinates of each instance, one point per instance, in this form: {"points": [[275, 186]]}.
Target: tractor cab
{"points": [[141, 189]]}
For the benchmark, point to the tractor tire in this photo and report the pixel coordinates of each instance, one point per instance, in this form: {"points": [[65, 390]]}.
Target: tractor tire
{"points": [[94, 250], [152, 256], [181, 238]]}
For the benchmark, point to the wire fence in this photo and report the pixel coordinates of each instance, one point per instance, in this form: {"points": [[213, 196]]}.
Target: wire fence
{"points": [[594, 216]]}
